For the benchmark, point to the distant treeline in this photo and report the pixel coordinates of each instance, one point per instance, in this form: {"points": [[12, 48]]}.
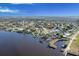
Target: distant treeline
{"points": [[54, 18]]}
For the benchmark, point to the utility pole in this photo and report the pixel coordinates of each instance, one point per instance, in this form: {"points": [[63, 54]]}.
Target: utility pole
{"points": [[23, 24]]}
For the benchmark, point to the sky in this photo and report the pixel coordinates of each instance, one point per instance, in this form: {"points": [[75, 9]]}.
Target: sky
{"points": [[39, 9]]}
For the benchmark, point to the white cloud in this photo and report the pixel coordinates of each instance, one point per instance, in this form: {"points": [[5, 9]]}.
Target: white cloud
{"points": [[8, 10], [39, 1], [21, 3]]}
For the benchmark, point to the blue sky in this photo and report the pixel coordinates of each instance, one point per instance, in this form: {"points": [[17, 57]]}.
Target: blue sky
{"points": [[39, 9]]}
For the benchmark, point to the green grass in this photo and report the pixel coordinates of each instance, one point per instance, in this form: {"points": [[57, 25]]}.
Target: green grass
{"points": [[77, 40]]}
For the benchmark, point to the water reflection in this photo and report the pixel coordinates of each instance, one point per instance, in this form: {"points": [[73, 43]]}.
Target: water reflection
{"points": [[14, 44]]}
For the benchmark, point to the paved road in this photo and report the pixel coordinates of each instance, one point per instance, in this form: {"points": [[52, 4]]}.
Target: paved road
{"points": [[72, 39]]}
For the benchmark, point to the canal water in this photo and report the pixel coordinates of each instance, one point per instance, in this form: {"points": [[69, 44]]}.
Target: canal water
{"points": [[16, 44]]}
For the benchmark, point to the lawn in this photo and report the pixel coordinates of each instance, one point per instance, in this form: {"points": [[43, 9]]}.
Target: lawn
{"points": [[74, 48], [77, 40]]}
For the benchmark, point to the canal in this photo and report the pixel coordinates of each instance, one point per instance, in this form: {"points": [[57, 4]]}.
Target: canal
{"points": [[17, 44]]}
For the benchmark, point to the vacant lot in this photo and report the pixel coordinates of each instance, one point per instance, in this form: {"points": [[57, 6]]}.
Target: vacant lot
{"points": [[74, 48], [77, 40]]}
